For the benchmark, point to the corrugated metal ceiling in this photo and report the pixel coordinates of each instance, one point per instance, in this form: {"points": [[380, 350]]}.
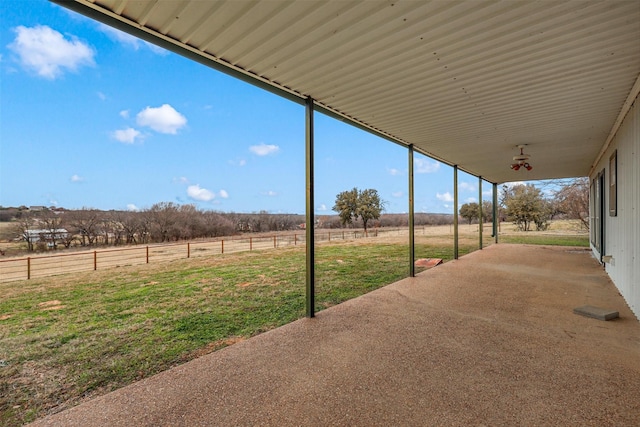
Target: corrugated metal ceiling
{"points": [[463, 81]]}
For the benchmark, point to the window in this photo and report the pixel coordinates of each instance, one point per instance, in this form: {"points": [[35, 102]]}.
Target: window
{"points": [[613, 181]]}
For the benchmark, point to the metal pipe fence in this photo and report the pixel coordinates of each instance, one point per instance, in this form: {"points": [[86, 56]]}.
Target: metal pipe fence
{"points": [[38, 266]]}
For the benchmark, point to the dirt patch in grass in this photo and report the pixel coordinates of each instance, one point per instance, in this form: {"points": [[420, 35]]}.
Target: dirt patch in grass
{"points": [[51, 305]]}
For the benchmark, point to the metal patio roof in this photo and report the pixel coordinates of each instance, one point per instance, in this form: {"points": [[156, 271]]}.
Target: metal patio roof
{"points": [[463, 81]]}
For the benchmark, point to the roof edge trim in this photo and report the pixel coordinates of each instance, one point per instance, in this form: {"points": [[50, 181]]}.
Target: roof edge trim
{"points": [[633, 94]]}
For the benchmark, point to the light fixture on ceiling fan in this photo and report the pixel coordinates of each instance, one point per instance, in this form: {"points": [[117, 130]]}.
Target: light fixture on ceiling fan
{"points": [[521, 160]]}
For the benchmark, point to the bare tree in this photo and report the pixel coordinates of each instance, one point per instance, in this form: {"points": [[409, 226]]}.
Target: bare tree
{"points": [[218, 225], [189, 223], [131, 225], [22, 228], [50, 223], [572, 200], [163, 217], [86, 223]]}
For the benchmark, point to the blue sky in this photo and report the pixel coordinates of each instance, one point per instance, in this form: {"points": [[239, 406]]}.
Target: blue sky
{"points": [[91, 117]]}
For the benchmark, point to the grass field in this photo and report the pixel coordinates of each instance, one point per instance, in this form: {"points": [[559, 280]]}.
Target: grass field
{"points": [[71, 337], [538, 239]]}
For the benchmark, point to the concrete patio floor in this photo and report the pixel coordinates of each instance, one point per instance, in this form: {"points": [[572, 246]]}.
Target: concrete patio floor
{"points": [[489, 339]]}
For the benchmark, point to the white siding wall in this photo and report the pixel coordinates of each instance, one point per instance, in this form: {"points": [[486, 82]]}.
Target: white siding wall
{"points": [[622, 232]]}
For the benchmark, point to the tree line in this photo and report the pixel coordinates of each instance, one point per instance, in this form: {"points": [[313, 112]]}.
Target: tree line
{"points": [[163, 222], [527, 205], [56, 228], [523, 204]]}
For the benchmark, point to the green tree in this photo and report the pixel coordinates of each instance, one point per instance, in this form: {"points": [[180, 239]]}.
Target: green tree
{"points": [[354, 204], [525, 205], [469, 211], [487, 211]]}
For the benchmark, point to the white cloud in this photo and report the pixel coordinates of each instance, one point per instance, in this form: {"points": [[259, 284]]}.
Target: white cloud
{"points": [[77, 178], [264, 149], [132, 207], [156, 49], [465, 186], [127, 136], [198, 193], [49, 53], [223, 194], [102, 96], [445, 197], [270, 193], [394, 171], [425, 166], [471, 200], [120, 36], [322, 208], [397, 194], [181, 180], [130, 41], [124, 114], [163, 119]]}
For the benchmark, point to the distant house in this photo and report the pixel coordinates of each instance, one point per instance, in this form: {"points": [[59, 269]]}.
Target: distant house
{"points": [[37, 208], [52, 237]]}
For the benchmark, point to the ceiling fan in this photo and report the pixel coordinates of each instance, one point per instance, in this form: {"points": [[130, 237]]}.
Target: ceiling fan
{"points": [[521, 160]]}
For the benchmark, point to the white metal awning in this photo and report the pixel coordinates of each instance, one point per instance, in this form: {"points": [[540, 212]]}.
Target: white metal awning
{"points": [[463, 81]]}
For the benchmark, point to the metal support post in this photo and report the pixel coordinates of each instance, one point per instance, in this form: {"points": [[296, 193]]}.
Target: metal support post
{"points": [[310, 261], [495, 212], [480, 220], [455, 212], [412, 246]]}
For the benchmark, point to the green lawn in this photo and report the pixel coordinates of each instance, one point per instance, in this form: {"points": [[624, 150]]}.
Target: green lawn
{"points": [[533, 238]]}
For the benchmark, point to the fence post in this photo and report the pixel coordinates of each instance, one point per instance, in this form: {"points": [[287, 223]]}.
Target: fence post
{"points": [[28, 268], [221, 246], [147, 254], [250, 243], [188, 250], [274, 242], [295, 240], [95, 260]]}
